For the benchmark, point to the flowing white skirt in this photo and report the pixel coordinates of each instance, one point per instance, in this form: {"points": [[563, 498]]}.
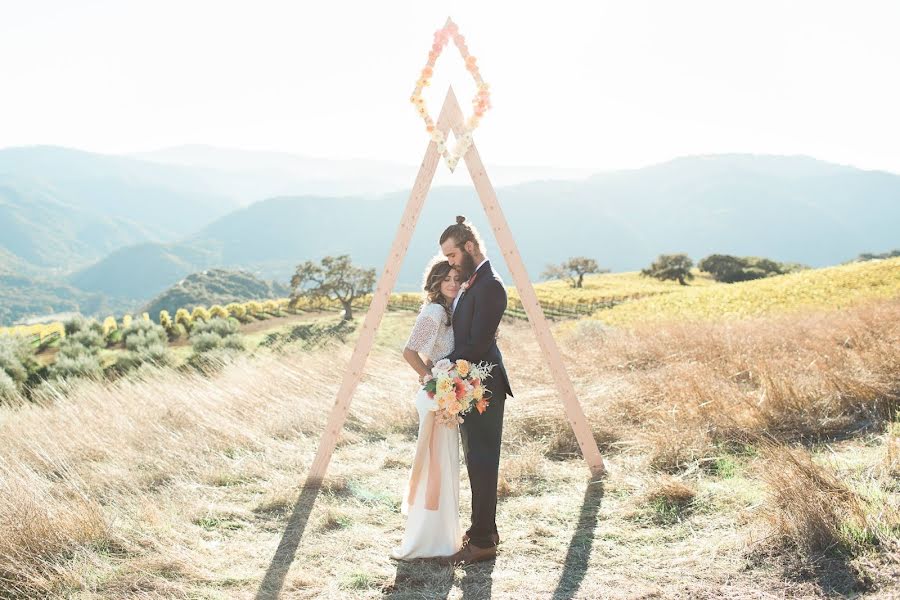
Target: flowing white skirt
{"points": [[432, 533]]}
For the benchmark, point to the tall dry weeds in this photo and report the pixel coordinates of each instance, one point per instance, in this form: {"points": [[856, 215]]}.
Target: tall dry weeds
{"points": [[81, 466], [684, 392], [98, 467]]}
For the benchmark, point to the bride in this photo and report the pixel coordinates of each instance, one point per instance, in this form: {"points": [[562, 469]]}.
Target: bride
{"points": [[431, 496]]}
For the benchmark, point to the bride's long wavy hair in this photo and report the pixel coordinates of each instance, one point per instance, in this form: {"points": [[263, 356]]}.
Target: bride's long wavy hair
{"points": [[438, 268]]}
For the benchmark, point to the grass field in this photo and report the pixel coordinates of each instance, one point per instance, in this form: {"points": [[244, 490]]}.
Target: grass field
{"points": [[606, 287], [755, 458], [828, 288]]}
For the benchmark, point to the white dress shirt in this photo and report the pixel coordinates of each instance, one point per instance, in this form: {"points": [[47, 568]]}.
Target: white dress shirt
{"points": [[460, 292]]}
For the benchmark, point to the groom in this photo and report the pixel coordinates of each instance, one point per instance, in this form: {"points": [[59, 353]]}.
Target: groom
{"points": [[477, 311]]}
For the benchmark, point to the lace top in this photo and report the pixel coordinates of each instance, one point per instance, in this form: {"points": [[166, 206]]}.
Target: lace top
{"points": [[431, 335]]}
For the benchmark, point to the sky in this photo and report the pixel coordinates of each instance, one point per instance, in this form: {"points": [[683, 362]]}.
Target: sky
{"points": [[593, 84]]}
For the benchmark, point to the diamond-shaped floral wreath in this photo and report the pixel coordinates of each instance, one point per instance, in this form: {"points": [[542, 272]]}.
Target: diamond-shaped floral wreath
{"points": [[481, 102]]}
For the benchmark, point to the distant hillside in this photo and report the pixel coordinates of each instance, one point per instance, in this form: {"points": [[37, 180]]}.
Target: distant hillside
{"points": [[22, 296], [257, 174], [141, 271], [791, 209], [787, 208], [214, 286], [62, 209]]}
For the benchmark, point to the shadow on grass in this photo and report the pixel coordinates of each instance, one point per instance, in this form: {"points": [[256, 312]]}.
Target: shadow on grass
{"points": [[271, 585], [420, 579], [415, 578], [579, 553], [477, 581]]}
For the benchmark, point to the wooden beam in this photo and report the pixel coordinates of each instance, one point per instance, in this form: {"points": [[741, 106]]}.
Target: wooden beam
{"points": [[379, 304], [451, 118], [539, 324]]}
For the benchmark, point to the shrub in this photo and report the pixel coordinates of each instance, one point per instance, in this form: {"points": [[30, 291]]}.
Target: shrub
{"points": [[86, 341], [79, 323], [74, 324], [178, 331], [183, 318], [206, 341], [17, 364], [236, 309], [141, 334], [216, 333], [109, 324], [199, 314], [114, 337], [80, 365], [217, 311], [155, 354], [145, 342], [8, 388]]}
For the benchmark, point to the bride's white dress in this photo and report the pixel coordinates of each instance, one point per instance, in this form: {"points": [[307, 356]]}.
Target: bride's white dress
{"points": [[432, 532]]}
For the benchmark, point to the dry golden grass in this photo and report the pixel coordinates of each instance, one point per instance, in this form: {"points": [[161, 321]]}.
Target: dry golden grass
{"points": [[686, 391], [891, 467], [828, 288], [176, 485], [826, 521]]}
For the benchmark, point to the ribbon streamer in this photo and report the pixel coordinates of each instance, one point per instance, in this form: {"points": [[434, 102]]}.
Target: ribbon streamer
{"points": [[427, 444]]}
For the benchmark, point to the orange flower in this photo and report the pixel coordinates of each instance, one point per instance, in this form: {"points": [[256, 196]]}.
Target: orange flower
{"points": [[463, 367], [481, 405], [460, 388]]}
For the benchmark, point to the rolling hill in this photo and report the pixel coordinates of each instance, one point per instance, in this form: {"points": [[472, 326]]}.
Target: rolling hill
{"points": [[214, 286], [63, 209], [788, 208], [791, 209]]}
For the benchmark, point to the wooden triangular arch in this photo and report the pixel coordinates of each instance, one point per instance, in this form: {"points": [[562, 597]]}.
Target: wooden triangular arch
{"points": [[451, 117]]}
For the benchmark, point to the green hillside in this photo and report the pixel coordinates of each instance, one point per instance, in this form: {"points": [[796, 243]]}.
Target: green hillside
{"points": [[214, 286]]}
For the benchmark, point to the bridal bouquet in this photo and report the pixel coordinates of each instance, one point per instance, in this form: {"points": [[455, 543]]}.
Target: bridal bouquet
{"points": [[457, 388]]}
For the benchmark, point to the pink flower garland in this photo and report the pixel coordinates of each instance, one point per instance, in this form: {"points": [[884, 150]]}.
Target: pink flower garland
{"points": [[481, 102]]}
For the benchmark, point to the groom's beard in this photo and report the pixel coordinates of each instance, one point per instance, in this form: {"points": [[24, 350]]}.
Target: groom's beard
{"points": [[468, 264]]}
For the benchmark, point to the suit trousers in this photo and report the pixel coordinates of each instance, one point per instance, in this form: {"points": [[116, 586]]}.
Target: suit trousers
{"points": [[481, 434]]}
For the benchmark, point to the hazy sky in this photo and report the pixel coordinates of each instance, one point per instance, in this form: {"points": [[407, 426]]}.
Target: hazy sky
{"points": [[588, 84]]}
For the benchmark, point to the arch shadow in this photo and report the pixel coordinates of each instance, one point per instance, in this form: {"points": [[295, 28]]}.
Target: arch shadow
{"points": [[579, 553]]}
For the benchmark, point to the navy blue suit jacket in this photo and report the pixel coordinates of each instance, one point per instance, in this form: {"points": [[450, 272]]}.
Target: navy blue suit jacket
{"points": [[475, 321]]}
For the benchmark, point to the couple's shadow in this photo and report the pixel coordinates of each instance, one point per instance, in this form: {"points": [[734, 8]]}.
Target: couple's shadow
{"points": [[430, 579]]}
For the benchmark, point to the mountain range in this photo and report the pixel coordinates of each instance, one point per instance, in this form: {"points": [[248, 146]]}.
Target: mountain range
{"points": [[114, 231]]}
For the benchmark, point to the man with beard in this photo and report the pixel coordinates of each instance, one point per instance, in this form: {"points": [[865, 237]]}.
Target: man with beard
{"points": [[477, 311]]}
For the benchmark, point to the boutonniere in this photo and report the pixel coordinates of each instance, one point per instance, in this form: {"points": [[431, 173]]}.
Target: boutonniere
{"points": [[467, 284]]}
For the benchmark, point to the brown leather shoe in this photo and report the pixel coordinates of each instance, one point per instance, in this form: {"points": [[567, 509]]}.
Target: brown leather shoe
{"points": [[495, 537], [470, 553]]}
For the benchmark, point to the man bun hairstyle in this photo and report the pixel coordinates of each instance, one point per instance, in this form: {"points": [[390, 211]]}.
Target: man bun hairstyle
{"points": [[461, 233]]}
